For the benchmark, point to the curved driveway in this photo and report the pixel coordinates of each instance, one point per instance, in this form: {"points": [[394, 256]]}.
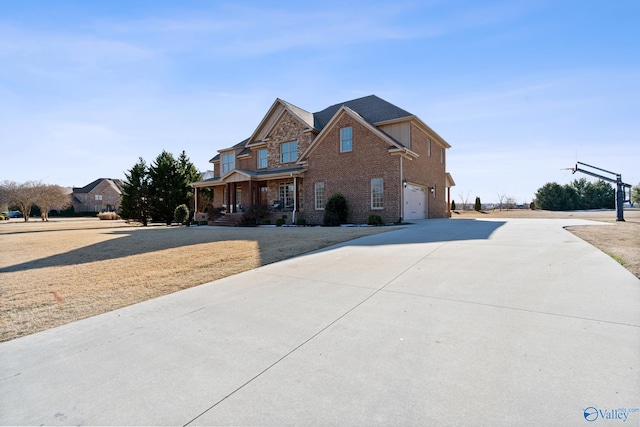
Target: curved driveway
{"points": [[445, 322]]}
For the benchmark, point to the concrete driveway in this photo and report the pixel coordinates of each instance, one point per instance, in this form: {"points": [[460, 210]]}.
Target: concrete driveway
{"points": [[445, 322]]}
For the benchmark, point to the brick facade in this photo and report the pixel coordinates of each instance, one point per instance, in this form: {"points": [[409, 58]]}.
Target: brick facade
{"points": [[350, 173], [102, 195], [417, 158]]}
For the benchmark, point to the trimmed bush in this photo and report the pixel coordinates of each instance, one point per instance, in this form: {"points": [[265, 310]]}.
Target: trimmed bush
{"points": [[301, 221], [375, 220], [214, 213], [453, 205], [336, 210], [108, 216], [181, 214], [477, 206], [254, 214], [281, 222]]}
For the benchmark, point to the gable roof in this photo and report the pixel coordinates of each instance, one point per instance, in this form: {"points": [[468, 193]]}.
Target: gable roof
{"points": [[394, 146], [90, 187], [304, 115], [371, 108]]}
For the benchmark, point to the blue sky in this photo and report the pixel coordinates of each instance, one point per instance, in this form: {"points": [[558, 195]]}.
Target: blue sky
{"points": [[520, 89]]}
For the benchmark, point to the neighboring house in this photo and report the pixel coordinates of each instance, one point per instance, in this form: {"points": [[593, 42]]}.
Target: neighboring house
{"points": [[383, 159], [102, 195]]}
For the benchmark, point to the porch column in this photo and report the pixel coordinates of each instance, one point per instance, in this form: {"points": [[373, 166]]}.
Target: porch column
{"points": [[252, 197], [195, 203], [296, 204], [233, 197], [449, 199], [228, 201]]}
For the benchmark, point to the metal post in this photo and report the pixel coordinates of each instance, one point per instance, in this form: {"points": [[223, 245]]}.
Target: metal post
{"points": [[619, 198]]}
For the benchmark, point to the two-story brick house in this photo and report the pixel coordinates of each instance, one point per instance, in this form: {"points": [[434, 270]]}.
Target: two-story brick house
{"points": [[383, 159], [102, 195]]}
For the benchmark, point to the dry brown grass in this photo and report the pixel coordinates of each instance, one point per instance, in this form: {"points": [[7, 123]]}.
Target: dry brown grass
{"points": [[59, 271]]}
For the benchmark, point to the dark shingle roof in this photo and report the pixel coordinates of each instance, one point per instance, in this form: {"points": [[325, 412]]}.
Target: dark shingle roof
{"points": [[238, 145], [371, 108], [89, 187]]}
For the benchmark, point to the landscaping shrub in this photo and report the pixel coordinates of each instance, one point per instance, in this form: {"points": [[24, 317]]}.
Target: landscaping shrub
{"points": [[301, 221], [375, 220], [203, 222], [181, 214], [280, 222], [532, 206], [336, 210], [254, 214], [108, 216], [453, 205], [214, 213], [478, 205]]}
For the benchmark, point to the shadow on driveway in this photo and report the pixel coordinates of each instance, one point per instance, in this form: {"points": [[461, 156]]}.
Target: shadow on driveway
{"points": [[141, 241]]}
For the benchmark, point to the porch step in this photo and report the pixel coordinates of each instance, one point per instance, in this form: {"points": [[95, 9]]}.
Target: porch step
{"points": [[228, 220]]}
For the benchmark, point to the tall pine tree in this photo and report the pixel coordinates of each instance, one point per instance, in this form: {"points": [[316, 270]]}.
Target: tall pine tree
{"points": [[135, 193], [167, 187], [190, 174]]}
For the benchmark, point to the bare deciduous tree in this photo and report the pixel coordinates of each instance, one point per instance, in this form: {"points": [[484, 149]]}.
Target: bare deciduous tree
{"points": [[501, 198], [464, 198], [51, 196], [510, 202], [21, 195]]}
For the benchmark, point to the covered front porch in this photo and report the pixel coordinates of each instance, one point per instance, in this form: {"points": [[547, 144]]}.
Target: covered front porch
{"points": [[280, 191]]}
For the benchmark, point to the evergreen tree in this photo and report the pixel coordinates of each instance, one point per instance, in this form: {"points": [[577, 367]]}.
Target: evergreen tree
{"points": [[167, 187], [635, 194], [551, 196], [603, 196], [580, 194], [135, 193], [190, 174], [477, 206]]}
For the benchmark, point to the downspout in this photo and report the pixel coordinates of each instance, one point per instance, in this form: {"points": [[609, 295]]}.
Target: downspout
{"points": [[401, 192]]}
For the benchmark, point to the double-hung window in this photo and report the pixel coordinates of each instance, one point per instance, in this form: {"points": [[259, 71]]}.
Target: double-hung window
{"points": [[228, 163], [262, 159], [346, 139], [289, 152], [377, 193], [319, 196]]}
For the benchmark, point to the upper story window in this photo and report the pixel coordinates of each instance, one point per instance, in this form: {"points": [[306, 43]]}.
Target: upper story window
{"points": [[228, 162], [346, 139], [98, 196], [262, 158], [289, 152]]}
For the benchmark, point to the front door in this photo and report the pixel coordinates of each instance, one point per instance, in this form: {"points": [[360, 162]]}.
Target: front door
{"points": [[262, 194]]}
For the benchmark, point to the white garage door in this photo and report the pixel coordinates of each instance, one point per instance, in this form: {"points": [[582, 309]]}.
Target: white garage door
{"points": [[415, 202]]}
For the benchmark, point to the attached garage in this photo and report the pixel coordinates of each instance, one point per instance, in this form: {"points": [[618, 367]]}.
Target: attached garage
{"points": [[415, 202]]}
